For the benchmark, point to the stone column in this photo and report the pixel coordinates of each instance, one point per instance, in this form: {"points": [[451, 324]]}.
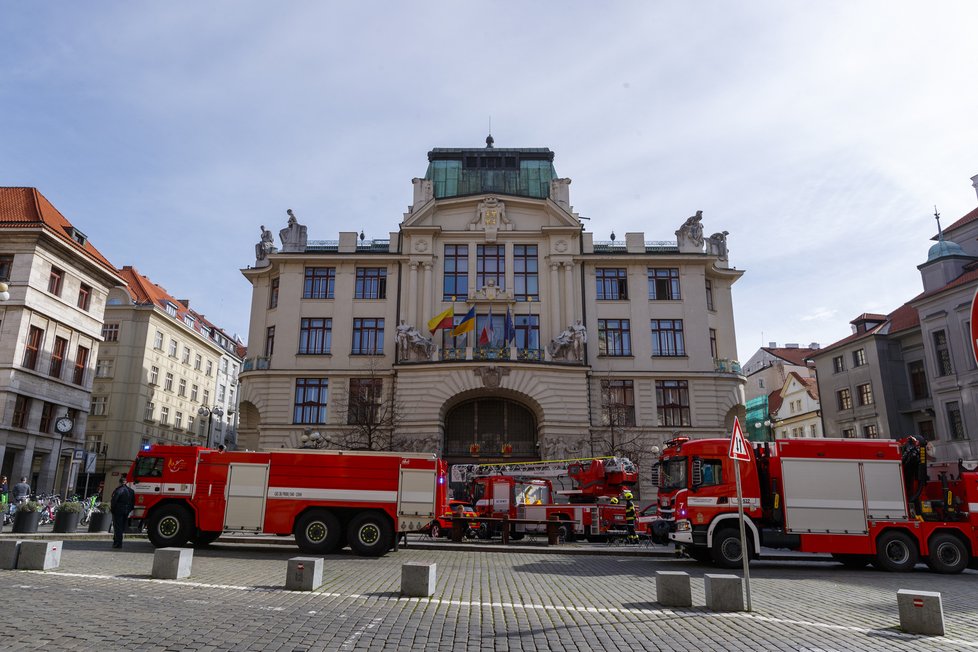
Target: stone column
{"points": [[412, 297], [428, 292], [554, 299], [569, 292], [45, 478], [22, 464], [509, 279]]}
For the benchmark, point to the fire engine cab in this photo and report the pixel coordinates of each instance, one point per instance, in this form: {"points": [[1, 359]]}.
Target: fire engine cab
{"points": [[862, 500], [325, 498]]}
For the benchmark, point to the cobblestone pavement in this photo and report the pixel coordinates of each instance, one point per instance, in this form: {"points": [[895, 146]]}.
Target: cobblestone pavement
{"points": [[104, 599]]}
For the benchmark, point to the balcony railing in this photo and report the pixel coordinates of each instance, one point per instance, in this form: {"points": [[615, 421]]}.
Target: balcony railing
{"points": [[726, 366], [251, 364], [479, 353]]}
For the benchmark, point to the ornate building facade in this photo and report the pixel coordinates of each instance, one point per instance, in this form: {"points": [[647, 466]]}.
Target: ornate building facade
{"points": [[490, 327]]}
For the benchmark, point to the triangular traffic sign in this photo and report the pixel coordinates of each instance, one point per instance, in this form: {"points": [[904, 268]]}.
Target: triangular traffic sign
{"points": [[739, 450]]}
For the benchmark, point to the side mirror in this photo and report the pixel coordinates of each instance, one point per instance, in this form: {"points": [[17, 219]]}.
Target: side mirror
{"points": [[697, 474], [654, 474]]}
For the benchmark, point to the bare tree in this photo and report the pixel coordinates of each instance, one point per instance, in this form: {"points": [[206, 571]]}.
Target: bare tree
{"points": [[374, 414], [617, 433]]}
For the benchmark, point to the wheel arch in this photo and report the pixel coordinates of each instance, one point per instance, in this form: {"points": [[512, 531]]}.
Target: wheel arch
{"points": [[903, 530], [924, 546], [730, 520]]}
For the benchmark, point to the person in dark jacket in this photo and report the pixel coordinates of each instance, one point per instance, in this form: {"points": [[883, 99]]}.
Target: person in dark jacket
{"points": [[21, 492], [630, 517], [123, 501]]}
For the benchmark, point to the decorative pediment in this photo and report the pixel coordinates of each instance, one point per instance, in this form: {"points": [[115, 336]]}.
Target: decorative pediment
{"points": [[490, 216]]}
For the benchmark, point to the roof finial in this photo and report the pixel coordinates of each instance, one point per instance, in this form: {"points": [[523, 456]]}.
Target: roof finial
{"points": [[940, 233], [362, 236]]}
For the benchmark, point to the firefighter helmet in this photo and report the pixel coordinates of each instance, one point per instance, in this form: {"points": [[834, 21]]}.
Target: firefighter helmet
{"points": [[614, 500], [628, 495]]}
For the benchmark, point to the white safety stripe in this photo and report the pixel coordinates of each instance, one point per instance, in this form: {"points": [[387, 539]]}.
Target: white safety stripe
{"points": [[666, 613], [163, 488], [353, 495], [732, 500]]}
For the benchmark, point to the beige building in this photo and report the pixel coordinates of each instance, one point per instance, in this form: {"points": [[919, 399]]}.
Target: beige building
{"points": [[49, 339], [795, 409], [158, 375], [577, 347]]}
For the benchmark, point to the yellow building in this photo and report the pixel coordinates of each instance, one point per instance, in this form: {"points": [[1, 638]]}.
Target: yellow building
{"points": [[577, 347]]}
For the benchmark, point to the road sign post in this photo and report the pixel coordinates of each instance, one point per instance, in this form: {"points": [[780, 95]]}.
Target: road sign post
{"points": [[740, 452]]}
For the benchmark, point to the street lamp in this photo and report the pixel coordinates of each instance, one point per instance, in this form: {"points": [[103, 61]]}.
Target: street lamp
{"points": [[758, 425], [205, 413], [4, 294]]}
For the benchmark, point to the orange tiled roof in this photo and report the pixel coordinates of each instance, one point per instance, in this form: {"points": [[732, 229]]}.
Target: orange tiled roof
{"points": [[28, 208], [774, 401], [964, 279], [900, 319], [810, 384], [970, 217]]}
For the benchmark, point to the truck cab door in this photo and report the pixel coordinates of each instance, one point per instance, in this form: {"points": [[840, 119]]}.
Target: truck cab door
{"points": [[247, 489]]}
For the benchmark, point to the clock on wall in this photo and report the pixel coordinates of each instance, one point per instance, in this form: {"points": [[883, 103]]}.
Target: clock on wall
{"points": [[64, 425]]}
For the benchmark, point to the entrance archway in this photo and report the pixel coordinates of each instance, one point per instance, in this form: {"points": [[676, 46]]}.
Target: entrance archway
{"points": [[490, 430]]}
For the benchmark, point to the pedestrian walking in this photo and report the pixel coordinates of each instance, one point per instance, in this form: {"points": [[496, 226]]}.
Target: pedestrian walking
{"points": [[123, 501], [21, 492], [630, 517]]}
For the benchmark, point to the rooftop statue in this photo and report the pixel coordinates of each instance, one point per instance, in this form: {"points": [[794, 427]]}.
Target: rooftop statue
{"points": [[294, 235], [690, 234], [265, 246]]}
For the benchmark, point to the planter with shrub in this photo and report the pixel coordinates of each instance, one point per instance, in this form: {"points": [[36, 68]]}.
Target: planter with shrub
{"points": [[100, 519], [67, 516], [27, 518]]}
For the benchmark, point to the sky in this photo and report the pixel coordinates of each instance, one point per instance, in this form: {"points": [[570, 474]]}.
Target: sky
{"points": [[820, 135]]}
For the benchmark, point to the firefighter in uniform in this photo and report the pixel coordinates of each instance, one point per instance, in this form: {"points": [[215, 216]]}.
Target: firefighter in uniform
{"points": [[630, 517]]}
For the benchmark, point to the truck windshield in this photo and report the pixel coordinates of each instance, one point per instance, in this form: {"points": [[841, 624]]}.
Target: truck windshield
{"points": [[149, 467], [672, 473], [532, 494]]}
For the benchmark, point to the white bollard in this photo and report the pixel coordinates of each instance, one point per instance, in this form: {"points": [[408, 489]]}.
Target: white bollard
{"points": [[304, 574], [9, 551], [724, 592], [672, 589], [418, 580], [172, 563], [921, 612], [39, 555]]}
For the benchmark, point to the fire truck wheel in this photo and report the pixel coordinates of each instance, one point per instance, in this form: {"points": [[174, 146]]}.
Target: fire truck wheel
{"points": [[369, 534], [726, 550], [896, 552], [947, 554], [170, 526], [318, 531], [436, 531]]}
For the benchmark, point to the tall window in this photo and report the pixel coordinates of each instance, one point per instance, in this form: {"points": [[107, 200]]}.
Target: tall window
{"points": [[207, 397], [154, 375], [173, 349], [168, 383], [32, 347], [664, 284], [871, 431], [197, 361], [103, 368], [273, 293], [148, 412], [926, 430], [955, 424], [368, 336], [838, 364], [164, 415], [714, 350], [709, 295], [617, 403], [55, 281], [527, 331], [491, 266], [672, 398], [310, 400], [81, 361], [186, 355], [456, 281], [47, 417], [942, 354], [210, 368], [318, 283], [858, 357], [84, 296], [612, 284], [6, 264], [182, 387], [848, 433], [269, 341], [525, 273], [98, 406], [918, 380], [865, 394], [315, 336], [364, 401], [667, 337], [158, 341], [178, 420], [110, 332], [58, 357], [194, 389], [22, 410], [371, 283], [614, 337], [844, 397]]}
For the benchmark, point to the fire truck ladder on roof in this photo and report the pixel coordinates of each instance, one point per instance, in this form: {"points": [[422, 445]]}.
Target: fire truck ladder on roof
{"points": [[545, 469]]}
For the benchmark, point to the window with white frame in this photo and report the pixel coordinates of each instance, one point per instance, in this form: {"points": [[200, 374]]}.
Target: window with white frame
{"points": [[98, 407], [149, 411], [164, 414], [110, 332], [158, 341], [193, 392], [168, 383], [154, 375], [182, 387], [186, 355], [173, 348], [103, 368]]}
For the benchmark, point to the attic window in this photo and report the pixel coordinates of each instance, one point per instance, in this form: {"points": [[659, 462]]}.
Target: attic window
{"points": [[171, 310], [188, 320], [78, 236]]}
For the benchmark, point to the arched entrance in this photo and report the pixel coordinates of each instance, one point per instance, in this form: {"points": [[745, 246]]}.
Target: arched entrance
{"points": [[490, 430]]}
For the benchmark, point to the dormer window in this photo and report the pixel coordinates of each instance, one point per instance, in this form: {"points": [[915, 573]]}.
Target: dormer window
{"points": [[78, 236], [171, 310], [188, 320]]}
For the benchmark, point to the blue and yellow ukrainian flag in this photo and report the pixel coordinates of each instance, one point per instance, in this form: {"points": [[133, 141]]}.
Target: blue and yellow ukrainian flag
{"points": [[466, 325]]}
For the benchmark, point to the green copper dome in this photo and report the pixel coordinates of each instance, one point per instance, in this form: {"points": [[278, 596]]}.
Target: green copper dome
{"points": [[944, 248], [525, 172]]}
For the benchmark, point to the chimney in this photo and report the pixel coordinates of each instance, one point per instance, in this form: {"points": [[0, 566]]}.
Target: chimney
{"points": [[791, 345], [772, 345], [815, 345], [185, 302]]}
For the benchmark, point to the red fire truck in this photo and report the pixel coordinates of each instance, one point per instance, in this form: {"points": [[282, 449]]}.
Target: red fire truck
{"points": [[525, 491], [864, 501], [322, 497]]}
